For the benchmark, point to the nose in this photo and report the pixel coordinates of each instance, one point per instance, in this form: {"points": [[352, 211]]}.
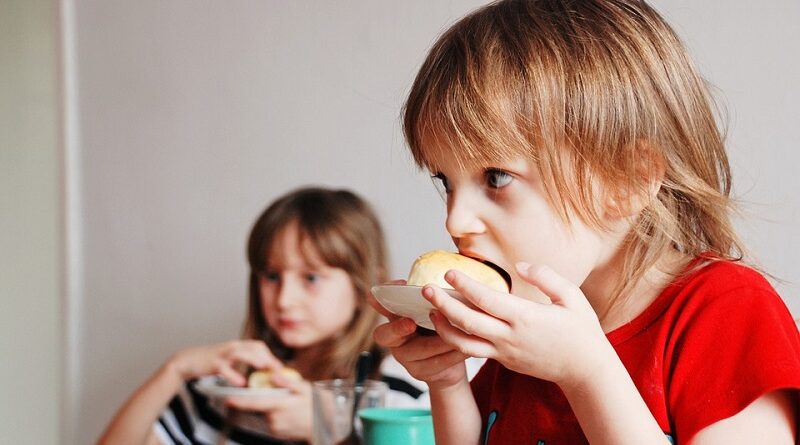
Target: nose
{"points": [[287, 293], [463, 216]]}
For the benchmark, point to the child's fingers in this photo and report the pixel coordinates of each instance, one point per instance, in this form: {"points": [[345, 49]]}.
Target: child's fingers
{"points": [[293, 385], [230, 375], [421, 348], [498, 304], [560, 290], [435, 365], [469, 320], [394, 333], [258, 404], [442, 362], [255, 353], [466, 344]]}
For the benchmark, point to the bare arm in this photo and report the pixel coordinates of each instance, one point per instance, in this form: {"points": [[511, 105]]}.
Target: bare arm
{"points": [[609, 407], [456, 419], [772, 418], [133, 423]]}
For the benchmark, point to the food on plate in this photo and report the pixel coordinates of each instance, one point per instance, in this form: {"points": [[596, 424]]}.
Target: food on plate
{"points": [[263, 378], [430, 268]]}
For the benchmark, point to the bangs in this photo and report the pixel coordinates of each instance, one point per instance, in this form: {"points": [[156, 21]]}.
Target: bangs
{"points": [[563, 85], [318, 246], [324, 247], [466, 106]]}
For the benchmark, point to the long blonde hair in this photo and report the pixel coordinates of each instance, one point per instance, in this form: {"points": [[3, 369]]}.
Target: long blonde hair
{"points": [[346, 234], [603, 97]]}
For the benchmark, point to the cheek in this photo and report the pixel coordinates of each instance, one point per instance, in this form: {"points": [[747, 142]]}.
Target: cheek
{"points": [[336, 312], [267, 298]]}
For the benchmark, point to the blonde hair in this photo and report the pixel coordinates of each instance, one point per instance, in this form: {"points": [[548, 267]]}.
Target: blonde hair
{"points": [[344, 233], [603, 97]]}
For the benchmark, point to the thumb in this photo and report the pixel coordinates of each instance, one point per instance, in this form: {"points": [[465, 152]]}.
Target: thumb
{"points": [[561, 291]]}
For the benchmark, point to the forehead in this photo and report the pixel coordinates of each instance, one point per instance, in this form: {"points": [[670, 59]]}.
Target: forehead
{"points": [[446, 154], [292, 248]]}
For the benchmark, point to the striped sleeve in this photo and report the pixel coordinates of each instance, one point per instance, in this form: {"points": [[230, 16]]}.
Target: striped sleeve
{"points": [[176, 424], [192, 418]]}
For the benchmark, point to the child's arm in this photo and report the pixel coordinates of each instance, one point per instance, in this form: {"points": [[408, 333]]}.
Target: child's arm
{"points": [[769, 419], [608, 406], [560, 342], [456, 418], [133, 423]]}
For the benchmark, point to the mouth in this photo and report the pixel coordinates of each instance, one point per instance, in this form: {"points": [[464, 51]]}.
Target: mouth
{"points": [[288, 324], [506, 276], [503, 273]]}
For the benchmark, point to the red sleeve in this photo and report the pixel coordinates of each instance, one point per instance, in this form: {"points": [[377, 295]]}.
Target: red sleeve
{"points": [[736, 342]]}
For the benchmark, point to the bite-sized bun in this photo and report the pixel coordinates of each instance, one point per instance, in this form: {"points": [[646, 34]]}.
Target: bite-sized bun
{"points": [[430, 268], [262, 379]]}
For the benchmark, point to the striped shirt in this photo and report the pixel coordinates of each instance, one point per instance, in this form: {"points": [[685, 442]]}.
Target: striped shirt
{"points": [[193, 418]]}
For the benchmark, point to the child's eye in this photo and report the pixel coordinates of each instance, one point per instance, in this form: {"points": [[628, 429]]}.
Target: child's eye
{"points": [[497, 178], [272, 277], [311, 278], [440, 181]]}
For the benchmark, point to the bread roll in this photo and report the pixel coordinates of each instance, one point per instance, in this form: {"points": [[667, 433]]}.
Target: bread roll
{"points": [[262, 379], [431, 267]]}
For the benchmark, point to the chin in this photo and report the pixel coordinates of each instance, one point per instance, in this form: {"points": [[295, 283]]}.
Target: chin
{"points": [[293, 342]]}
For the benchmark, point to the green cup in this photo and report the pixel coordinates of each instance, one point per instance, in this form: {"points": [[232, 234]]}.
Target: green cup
{"points": [[397, 426]]}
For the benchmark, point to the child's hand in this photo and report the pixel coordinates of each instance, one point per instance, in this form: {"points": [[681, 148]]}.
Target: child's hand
{"points": [[427, 358], [560, 342], [221, 359], [287, 417]]}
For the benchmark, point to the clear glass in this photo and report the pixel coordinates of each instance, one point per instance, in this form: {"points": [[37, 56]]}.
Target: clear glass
{"points": [[333, 408]]}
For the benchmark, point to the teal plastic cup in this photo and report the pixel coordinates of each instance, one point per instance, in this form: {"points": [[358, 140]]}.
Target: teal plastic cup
{"points": [[396, 426]]}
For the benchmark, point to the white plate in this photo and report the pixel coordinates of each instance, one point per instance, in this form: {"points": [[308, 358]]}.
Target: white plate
{"points": [[407, 301], [213, 386]]}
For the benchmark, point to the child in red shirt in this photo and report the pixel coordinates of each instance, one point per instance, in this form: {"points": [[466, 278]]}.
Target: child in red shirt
{"points": [[578, 149]]}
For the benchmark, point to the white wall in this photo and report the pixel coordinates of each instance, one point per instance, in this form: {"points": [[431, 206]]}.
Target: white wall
{"points": [[749, 53], [193, 115], [30, 323]]}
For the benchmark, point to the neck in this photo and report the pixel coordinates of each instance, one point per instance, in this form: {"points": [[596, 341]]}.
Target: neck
{"points": [[601, 286], [305, 360]]}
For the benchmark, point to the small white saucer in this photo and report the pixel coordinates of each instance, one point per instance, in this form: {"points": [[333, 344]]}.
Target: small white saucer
{"points": [[407, 301], [215, 387]]}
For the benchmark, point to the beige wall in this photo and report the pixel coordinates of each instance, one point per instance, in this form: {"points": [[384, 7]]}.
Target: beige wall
{"points": [[195, 114], [30, 323], [185, 117]]}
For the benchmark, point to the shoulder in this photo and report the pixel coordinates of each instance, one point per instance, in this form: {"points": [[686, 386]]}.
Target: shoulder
{"points": [[723, 276], [724, 284], [730, 339], [731, 302]]}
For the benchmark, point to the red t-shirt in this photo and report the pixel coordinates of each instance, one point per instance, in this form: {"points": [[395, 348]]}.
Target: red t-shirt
{"points": [[709, 345]]}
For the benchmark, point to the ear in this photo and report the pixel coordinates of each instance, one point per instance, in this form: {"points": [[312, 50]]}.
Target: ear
{"points": [[641, 184]]}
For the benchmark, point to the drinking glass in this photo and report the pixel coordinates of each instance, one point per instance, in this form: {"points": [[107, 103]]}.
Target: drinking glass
{"points": [[334, 411]]}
